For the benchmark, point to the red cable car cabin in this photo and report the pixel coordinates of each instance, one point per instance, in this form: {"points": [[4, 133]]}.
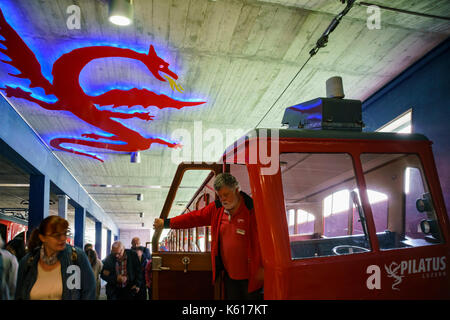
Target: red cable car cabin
{"points": [[345, 215], [11, 226]]}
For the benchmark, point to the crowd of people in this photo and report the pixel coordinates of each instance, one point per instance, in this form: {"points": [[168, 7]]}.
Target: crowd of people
{"points": [[48, 268], [51, 269]]}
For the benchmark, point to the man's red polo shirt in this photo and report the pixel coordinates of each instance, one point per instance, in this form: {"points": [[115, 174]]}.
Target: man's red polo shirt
{"points": [[234, 242], [211, 215]]}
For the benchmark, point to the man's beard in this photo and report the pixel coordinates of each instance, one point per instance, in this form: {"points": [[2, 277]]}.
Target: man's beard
{"points": [[230, 206]]}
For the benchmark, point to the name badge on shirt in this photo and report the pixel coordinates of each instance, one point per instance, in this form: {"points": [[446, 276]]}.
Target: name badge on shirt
{"points": [[240, 231]]}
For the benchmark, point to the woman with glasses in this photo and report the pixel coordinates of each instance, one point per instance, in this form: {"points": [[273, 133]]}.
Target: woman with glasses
{"points": [[53, 269]]}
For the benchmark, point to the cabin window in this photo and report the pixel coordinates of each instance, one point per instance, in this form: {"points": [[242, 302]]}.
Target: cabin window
{"points": [[189, 198], [335, 213], [300, 222], [200, 203], [208, 243], [291, 223], [321, 198], [336, 208], [3, 229], [401, 124], [201, 239], [305, 222], [408, 219]]}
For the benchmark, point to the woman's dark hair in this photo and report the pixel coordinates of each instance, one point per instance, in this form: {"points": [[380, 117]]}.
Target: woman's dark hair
{"points": [[49, 225], [92, 256], [87, 246]]}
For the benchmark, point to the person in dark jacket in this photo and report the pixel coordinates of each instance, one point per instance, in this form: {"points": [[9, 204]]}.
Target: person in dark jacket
{"points": [[122, 272], [142, 295], [149, 278], [8, 273], [52, 269], [97, 266], [17, 246]]}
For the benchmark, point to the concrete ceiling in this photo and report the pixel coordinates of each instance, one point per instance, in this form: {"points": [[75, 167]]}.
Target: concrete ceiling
{"points": [[237, 55]]}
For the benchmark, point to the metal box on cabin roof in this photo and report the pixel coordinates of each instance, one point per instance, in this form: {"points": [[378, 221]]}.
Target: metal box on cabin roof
{"points": [[325, 114]]}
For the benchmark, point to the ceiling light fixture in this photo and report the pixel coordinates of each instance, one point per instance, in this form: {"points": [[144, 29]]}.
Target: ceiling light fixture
{"points": [[136, 157], [123, 212], [121, 12], [131, 186], [139, 196], [27, 202]]}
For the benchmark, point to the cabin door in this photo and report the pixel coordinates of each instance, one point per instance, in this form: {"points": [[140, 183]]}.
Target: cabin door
{"points": [[183, 276]]}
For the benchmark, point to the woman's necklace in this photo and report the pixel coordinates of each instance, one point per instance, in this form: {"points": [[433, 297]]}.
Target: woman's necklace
{"points": [[49, 260]]}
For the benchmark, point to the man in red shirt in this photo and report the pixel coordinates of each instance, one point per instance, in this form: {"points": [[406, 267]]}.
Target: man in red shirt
{"points": [[234, 246]]}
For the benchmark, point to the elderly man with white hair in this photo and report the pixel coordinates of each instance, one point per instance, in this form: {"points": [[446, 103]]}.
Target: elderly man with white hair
{"points": [[122, 272], [136, 243], [8, 273], [234, 247]]}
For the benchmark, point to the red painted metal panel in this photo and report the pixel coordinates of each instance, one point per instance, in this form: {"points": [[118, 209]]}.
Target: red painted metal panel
{"points": [[12, 229]]}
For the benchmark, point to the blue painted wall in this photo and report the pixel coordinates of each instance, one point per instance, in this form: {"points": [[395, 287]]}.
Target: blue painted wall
{"points": [[424, 87]]}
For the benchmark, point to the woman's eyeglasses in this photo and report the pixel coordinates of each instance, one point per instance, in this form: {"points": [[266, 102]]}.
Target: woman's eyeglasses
{"points": [[58, 235]]}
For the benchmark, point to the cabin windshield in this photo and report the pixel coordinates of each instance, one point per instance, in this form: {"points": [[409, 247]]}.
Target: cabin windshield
{"points": [[324, 212], [323, 205]]}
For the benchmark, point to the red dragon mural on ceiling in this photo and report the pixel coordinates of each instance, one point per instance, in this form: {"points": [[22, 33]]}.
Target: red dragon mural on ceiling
{"points": [[71, 97]]}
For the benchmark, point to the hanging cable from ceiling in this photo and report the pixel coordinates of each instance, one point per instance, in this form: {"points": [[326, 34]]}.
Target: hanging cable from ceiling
{"points": [[414, 13], [321, 42]]}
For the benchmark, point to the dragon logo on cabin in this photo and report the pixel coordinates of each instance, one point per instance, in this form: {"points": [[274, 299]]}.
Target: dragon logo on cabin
{"points": [[71, 97]]}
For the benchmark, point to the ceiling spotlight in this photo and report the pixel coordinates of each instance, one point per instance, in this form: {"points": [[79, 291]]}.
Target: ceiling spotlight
{"points": [[121, 12], [140, 197], [136, 157]]}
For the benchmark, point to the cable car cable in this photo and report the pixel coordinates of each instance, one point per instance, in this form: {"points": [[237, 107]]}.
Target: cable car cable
{"points": [[283, 91], [322, 42], [414, 13]]}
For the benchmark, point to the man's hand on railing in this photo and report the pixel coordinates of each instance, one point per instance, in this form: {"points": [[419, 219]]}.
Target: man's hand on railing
{"points": [[158, 224]]}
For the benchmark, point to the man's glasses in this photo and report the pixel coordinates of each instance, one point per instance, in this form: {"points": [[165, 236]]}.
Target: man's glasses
{"points": [[58, 235]]}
